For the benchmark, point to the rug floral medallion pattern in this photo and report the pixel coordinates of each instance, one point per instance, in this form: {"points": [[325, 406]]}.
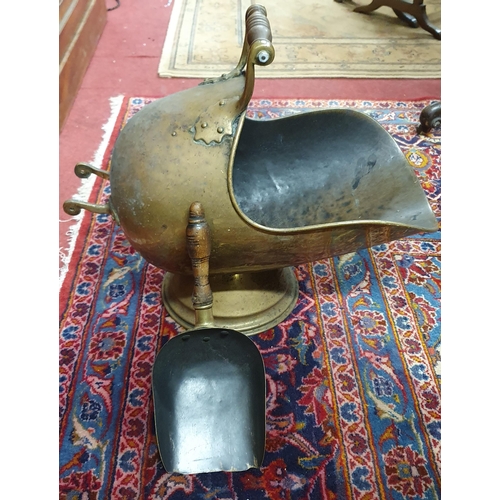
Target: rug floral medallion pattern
{"points": [[353, 374]]}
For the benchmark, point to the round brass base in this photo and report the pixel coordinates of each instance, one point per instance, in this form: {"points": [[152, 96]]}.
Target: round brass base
{"points": [[247, 302]]}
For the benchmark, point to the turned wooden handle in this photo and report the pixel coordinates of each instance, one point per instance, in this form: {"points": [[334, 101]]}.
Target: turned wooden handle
{"points": [[258, 28], [198, 247]]}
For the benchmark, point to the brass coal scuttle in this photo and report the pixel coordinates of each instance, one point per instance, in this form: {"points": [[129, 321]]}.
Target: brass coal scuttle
{"points": [[276, 193]]}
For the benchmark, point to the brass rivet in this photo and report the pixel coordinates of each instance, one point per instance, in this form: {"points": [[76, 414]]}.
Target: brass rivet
{"points": [[204, 125], [220, 130], [221, 103], [174, 133]]}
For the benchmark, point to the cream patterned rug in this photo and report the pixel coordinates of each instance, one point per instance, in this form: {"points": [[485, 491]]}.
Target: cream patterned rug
{"points": [[320, 38]]}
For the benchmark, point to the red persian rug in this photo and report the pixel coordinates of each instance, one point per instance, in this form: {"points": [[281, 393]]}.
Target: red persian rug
{"points": [[353, 374]]}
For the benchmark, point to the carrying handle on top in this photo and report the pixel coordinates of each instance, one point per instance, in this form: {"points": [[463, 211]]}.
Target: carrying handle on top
{"points": [[257, 49], [258, 28], [199, 247]]}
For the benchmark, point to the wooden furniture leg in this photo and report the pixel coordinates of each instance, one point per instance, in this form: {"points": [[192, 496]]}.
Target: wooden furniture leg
{"points": [[409, 20], [414, 14]]}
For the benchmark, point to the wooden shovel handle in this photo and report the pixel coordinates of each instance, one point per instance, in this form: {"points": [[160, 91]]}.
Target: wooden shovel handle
{"points": [[198, 247]]}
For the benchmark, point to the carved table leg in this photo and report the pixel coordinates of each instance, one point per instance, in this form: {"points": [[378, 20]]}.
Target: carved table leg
{"points": [[407, 18], [371, 7], [423, 21], [413, 14]]}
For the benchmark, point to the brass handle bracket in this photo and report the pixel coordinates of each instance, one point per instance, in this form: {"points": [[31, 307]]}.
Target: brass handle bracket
{"points": [[84, 170], [74, 207], [257, 49], [257, 27], [217, 120]]}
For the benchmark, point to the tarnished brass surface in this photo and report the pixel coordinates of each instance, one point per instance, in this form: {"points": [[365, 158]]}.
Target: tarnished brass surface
{"points": [[276, 193], [248, 302], [83, 170]]}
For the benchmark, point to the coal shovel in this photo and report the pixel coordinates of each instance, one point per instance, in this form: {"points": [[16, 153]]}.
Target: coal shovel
{"points": [[209, 387]]}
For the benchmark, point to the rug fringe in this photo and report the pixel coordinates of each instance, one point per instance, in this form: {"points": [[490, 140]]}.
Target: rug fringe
{"points": [[86, 186]]}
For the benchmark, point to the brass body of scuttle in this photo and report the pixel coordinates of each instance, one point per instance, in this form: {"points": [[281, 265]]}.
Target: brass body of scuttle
{"points": [[276, 193]]}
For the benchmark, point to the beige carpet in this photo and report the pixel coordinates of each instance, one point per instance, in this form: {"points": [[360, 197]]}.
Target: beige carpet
{"points": [[320, 38]]}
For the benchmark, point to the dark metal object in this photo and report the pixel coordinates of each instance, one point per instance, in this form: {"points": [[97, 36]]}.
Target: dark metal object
{"points": [[209, 384], [430, 118], [351, 170], [414, 14]]}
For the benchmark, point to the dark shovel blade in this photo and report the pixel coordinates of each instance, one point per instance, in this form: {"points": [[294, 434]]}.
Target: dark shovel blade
{"points": [[209, 393]]}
